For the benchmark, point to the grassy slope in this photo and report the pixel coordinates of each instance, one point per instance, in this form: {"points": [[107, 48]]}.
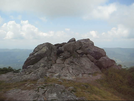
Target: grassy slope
{"points": [[114, 85]]}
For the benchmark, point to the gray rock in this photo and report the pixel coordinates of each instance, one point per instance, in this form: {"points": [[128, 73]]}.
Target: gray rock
{"points": [[65, 55], [60, 60], [105, 62], [70, 47], [66, 60], [46, 50], [73, 67], [72, 40], [58, 92]]}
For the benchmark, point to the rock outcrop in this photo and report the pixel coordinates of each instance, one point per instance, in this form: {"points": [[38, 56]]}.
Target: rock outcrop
{"points": [[49, 92], [74, 60], [69, 60]]}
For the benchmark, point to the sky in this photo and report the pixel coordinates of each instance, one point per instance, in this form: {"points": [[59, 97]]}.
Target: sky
{"points": [[24, 24]]}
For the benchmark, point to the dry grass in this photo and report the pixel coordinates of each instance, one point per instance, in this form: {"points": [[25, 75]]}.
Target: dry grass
{"points": [[103, 89], [86, 90]]}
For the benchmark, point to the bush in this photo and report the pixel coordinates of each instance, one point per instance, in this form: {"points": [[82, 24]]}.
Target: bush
{"points": [[9, 69]]}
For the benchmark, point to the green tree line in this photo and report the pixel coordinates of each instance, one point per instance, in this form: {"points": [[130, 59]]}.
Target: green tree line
{"points": [[8, 69]]}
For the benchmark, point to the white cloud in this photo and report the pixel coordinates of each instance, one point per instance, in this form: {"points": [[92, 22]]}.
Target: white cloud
{"points": [[27, 31], [1, 19], [51, 8], [67, 29], [43, 19], [114, 13], [124, 15], [91, 34], [101, 12], [119, 32], [26, 35]]}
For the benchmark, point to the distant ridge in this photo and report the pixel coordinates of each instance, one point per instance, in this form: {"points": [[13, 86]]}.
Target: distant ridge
{"points": [[123, 56]]}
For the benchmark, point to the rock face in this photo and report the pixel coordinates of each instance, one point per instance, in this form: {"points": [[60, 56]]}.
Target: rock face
{"points": [[69, 60]]}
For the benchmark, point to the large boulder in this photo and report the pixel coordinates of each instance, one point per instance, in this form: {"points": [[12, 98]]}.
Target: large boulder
{"points": [[105, 62], [44, 51], [68, 60]]}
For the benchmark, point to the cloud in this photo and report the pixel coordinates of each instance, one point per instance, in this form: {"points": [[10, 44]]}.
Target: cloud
{"points": [[101, 12], [26, 35], [123, 15], [27, 31], [43, 19], [115, 14], [116, 33], [67, 29], [91, 34], [1, 20], [51, 8]]}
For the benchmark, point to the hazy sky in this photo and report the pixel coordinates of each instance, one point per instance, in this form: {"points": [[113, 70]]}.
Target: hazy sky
{"points": [[27, 23]]}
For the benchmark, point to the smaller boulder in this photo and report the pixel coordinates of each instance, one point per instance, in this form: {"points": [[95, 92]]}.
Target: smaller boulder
{"points": [[72, 40], [105, 63], [65, 55]]}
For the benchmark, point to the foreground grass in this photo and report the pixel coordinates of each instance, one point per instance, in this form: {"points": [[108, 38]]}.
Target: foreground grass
{"points": [[121, 81], [114, 85], [86, 90]]}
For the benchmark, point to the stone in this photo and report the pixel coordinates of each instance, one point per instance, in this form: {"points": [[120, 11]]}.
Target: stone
{"points": [[105, 62], [65, 55], [40, 81], [46, 49], [58, 92], [91, 58], [70, 47], [72, 40], [97, 52], [67, 60], [59, 61]]}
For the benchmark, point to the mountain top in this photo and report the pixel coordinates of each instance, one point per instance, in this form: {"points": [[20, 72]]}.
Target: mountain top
{"points": [[69, 59], [50, 66]]}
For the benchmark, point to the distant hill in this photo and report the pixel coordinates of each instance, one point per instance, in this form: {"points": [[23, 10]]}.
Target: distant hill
{"points": [[16, 57], [123, 56], [13, 57]]}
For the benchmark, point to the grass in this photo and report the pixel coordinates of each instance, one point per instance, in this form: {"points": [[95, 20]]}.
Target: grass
{"points": [[85, 90], [121, 81], [114, 85]]}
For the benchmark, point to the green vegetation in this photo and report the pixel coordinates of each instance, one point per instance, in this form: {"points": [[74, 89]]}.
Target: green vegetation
{"points": [[9, 69]]}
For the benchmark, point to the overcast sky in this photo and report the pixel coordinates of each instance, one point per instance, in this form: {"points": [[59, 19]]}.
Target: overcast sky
{"points": [[26, 23]]}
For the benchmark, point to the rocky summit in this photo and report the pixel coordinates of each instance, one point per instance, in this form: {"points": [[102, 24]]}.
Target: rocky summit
{"points": [[69, 60], [51, 72]]}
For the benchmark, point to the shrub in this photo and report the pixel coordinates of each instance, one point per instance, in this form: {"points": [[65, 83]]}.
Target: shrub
{"points": [[9, 69]]}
